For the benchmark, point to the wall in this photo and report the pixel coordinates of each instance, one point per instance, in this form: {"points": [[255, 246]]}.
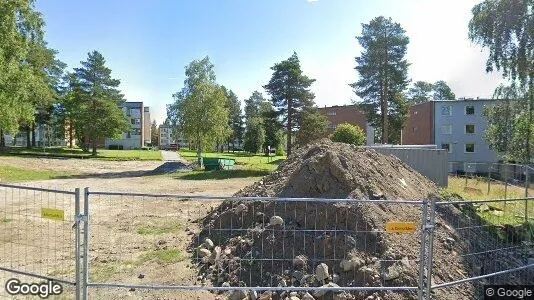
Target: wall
{"points": [[432, 163], [133, 139], [344, 114], [458, 137], [419, 127]]}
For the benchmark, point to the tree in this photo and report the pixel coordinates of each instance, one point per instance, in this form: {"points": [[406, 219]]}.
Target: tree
{"points": [[383, 73], [253, 105], [505, 28], [313, 125], [254, 135], [235, 117], [290, 92], [349, 134], [442, 91], [421, 92], [20, 32], [99, 115], [154, 136], [507, 132], [201, 107], [271, 126]]}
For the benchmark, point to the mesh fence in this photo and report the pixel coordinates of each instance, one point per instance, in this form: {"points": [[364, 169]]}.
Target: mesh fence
{"points": [[37, 239]]}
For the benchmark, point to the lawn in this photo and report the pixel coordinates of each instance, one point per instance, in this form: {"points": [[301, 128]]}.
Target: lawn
{"points": [[78, 153], [11, 174], [244, 161], [513, 212]]}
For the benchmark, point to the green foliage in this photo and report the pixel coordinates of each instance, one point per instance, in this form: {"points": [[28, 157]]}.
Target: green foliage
{"points": [[164, 256], [200, 109], [383, 75], [420, 92], [280, 151], [313, 126], [254, 135], [11, 174], [235, 118], [154, 134], [253, 105], [442, 91], [271, 125], [290, 93], [504, 27], [349, 134]]}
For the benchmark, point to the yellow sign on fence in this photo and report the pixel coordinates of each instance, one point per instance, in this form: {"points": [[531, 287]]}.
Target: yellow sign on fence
{"points": [[52, 214], [400, 227]]}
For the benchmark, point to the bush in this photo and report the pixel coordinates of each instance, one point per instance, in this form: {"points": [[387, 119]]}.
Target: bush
{"points": [[349, 134], [280, 151]]}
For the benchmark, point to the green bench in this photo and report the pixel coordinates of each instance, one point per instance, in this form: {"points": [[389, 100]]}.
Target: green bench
{"points": [[217, 163]]}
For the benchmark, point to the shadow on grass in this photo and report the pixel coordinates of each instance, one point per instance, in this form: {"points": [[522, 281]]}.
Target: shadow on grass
{"points": [[221, 174], [277, 162]]}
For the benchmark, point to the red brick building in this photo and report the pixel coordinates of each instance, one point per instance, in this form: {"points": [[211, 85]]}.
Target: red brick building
{"points": [[419, 127], [344, 114]]}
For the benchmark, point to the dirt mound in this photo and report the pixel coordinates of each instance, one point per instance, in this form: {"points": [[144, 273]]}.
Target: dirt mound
{"points": [[170, 167], [296, 243]]}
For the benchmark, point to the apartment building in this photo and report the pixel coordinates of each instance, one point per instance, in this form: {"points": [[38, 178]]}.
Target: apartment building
{"points": [[147, 126], [135, 137], [165, 136], [347, 114]]}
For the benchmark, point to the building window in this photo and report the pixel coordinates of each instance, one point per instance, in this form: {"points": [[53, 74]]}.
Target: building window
{"points": [[469, 110], [447, 147], [470, 128], [470, 148], [415, 112], [415, 129], [136, 131], [331, 113], [446, 110], [128, 135], [446, 129], [332, 126]]}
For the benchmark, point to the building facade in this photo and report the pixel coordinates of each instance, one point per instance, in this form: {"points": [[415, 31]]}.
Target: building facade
{"points": [[165, 136], [344, 114], [419, 126], [135, 137], [147, 128]]}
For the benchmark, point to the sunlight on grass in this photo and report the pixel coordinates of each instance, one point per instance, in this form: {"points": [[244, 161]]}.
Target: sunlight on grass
{"points": [[156, 230], [221, 174], [11, 174], [104, 154], [248, 161], [167, 256]]}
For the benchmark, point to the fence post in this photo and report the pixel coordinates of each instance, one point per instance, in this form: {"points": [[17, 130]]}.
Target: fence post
{"points": [[422, 250], [77, 242], [85, 277], [430, 228], [505, 181], [526, 193]]}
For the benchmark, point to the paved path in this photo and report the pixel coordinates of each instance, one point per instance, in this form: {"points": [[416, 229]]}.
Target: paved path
{"points": [[170, 156]]}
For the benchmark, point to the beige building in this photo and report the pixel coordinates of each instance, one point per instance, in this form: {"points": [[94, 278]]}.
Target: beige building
{"points": [[147, 128]]}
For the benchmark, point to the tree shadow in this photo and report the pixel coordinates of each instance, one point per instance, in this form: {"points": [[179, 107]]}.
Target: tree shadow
{"points": [[221, 174]]}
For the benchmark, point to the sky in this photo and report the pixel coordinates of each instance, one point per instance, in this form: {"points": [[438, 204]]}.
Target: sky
{"points": [[147, 44]]}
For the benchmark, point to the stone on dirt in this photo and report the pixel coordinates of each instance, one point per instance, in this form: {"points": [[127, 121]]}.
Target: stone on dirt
{"points": [[203, 252], [276, 220], [321, 272]]}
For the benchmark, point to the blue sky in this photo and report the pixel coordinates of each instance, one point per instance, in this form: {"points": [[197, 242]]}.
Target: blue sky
{"points": [[147, 44]]}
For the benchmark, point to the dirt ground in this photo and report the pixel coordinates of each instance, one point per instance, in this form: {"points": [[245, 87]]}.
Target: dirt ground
{"points": [[133, 240]]}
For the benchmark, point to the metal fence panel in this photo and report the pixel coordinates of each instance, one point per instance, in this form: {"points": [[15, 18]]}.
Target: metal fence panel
{"points": [[141, 242], [37, 240]]}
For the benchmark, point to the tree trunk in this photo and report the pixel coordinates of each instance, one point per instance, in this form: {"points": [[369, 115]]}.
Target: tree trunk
{"points": [[289, 124], [28, 138], [2, 140], [199, 152], [33, 135]]}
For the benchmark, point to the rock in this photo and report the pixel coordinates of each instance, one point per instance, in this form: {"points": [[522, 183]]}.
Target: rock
{"points": [[295, 294], [345, 265], [240, 208], [227, 251], [321, 272], [341, 296], [321, 293], [276, 220], [215, 254], [498, 213], [300, 261], [208, 244], [253, 295], [307, 296], [483, 207], [294, 298], [238, 295], [352, 264], [393, 272], [226, 284], [203, 252], [297, 275], [267, 295], [335, 278], [366, 271], [282, 282], [141, 276]]}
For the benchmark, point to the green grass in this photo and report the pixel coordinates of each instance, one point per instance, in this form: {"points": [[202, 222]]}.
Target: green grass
{"points": [[157, 230], [244, 161], [11, 174], [5, 220], [103, 154], [167, 256], [477, 189]]}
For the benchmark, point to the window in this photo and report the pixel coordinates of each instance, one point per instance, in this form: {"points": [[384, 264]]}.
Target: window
{"points": [[470, 128], [136, 131], [331, 113], [470, 148], [446, 129], [415, 112], [135, 113], [332, 126], [415, 129], [446, 110], [446, 147], [469, 110]]}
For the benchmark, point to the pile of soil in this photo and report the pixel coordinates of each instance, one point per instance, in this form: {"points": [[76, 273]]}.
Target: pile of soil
{"points": [[170, 167], [295, 243]]}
